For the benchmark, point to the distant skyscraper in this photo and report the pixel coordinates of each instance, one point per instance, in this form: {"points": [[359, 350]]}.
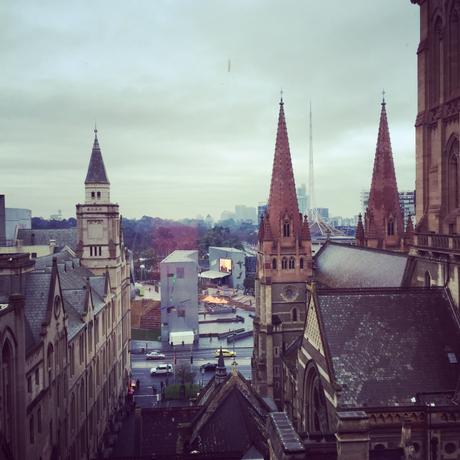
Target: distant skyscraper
{"points": [[302, 199], [261, 210]]}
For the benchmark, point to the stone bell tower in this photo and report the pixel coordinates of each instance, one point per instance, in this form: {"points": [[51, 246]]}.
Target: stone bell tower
{"points": [[98, 220], [284, 264]]}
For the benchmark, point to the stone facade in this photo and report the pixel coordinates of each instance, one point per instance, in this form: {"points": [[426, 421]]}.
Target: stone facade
{"points": [[64, 331], [436, 246], [284, 265]]}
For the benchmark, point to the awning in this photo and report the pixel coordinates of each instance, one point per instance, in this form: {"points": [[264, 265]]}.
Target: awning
{"points": [[213, 275]]}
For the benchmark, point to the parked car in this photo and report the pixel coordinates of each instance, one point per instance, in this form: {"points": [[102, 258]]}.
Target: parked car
{"points": [[208, 367], [162, 369], [155, 355], [225, 352]]}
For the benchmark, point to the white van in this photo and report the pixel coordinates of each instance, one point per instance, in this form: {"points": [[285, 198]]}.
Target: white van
{"points": [[162, 369]]}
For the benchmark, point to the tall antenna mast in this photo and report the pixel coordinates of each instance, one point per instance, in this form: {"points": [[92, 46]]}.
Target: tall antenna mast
{"points": [[311, 179]]}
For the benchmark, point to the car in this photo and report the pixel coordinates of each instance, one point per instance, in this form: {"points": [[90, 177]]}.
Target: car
{"points": [[154, 355], [162, 369], [226, 353], [208, 367]]}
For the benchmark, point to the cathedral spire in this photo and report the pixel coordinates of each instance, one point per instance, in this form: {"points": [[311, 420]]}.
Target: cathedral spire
{"points": [[360, 239], [383, 215], [283, 198], [96, 170]]}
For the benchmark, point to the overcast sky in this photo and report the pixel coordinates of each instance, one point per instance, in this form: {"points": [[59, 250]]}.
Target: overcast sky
{"points": [[182, 132]]}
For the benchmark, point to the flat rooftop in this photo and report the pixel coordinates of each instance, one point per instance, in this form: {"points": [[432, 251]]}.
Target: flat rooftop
{"points": [[181, 255]]}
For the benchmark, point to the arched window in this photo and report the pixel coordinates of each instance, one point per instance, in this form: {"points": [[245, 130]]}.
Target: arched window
{"points": [[284, 263], [31, 430], [453, 175], [390, 227], [427, 280], [90, 382], [453, 57], [292, 262], [286, 229], [49, 363], [274, 264], [97, 371], [73, 413], [8, 388], [301, 262], [435, 77], [314, 414], [82, 396], [294, 314]]}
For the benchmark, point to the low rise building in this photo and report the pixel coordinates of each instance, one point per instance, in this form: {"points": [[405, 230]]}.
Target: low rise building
{"points": [[179, 297]]}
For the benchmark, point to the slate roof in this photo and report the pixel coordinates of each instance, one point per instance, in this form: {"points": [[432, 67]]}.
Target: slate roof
{"points": [[36, 304], [344, 266], [42, 237], [215, 435], [96, 170], [75, 280], [387, 345], [62, 257]]}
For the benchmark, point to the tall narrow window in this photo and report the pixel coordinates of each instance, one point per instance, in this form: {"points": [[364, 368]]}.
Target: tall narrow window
{"points": [[286, 229], [427, 280], [291, 262], [31, 429], [435, 77], [454, 51], [274, 264], [301, 263], [453, 172], [391, 227], [294, 314], [284, 263]]}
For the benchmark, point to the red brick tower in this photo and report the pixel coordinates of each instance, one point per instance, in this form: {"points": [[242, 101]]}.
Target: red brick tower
{"points": [[283, 267], [383, 220]]}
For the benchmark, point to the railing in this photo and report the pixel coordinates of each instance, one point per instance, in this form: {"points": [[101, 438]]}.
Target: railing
{"points": [[439, 242]]}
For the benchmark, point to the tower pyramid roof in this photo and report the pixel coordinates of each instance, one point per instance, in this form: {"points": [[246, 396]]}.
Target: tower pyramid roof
{"points": [[96, 169], [283, 198]]}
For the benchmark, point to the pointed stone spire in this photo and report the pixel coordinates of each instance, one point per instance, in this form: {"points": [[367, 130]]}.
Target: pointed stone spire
{"points": [[409, 234], [221, 370], [383, 219], [305, 234], [283, 199], [96, 169], [360, 231]]}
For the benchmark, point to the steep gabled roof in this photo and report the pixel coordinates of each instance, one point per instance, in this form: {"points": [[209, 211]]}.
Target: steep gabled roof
{"points": [[388, 345], [230, 404], [96, 170], [344, 266]]}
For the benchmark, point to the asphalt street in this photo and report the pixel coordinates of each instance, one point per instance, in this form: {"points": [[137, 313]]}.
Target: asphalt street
{"points": [[140, 369]]}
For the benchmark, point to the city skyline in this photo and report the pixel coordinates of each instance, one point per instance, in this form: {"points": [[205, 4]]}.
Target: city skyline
{"points": [[186, 101]]}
